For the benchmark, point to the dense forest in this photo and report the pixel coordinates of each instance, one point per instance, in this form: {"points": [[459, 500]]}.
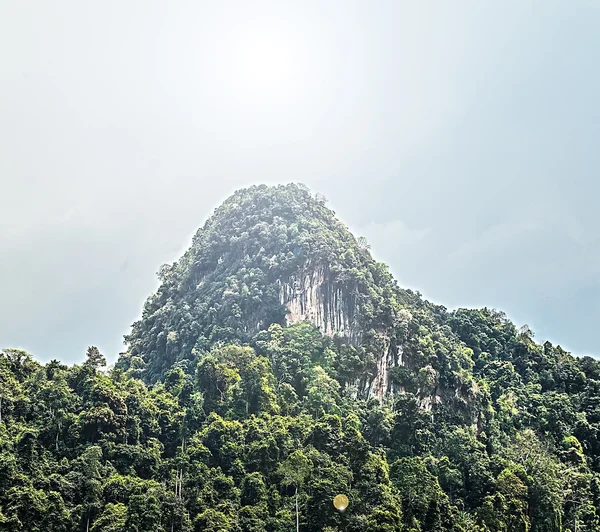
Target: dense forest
{"points": [[279, 365]]}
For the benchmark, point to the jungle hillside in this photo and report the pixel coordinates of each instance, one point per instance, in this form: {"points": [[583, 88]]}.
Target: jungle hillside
{"points": [[279, 365]]}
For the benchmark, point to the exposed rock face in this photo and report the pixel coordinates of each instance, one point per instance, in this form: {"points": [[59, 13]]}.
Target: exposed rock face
{"points": [[429, 400], [311, 295], [387, 358]]}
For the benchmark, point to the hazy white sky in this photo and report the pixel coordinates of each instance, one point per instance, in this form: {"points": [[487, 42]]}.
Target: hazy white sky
{"points": [[461, 138]]}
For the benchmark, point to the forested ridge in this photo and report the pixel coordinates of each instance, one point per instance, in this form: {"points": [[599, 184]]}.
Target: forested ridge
{"points": [[228, 411]]}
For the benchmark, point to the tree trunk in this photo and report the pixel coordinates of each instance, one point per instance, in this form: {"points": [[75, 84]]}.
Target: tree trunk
{"points": [[297, 513], [87, 528]]}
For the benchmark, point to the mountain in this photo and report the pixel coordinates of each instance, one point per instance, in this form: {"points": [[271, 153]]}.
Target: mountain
{"points": [[279, 365], [267, 255], [278, 255]]}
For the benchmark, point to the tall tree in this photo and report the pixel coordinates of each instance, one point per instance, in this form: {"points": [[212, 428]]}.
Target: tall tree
{"points": [[93, 358]]}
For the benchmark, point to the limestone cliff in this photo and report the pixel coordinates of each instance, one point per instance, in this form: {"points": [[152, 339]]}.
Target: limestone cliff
{"points": [[316, 296], [313, 295]]}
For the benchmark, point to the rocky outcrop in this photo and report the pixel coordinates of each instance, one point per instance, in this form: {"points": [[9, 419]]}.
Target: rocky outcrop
{"points": [[313, 295], [386, 360]]}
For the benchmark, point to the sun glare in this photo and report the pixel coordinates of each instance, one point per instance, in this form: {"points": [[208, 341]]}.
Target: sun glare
{"points": [[266, 64]]}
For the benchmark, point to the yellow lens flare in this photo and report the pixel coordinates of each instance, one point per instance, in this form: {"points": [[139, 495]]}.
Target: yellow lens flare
{"points": [[340, 502]]}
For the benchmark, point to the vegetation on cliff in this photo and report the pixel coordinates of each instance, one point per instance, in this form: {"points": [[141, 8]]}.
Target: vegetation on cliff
{"points": [[228, 286]]}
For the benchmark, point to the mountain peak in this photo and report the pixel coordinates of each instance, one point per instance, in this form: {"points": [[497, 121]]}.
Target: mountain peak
{"points": [[268, 255]]}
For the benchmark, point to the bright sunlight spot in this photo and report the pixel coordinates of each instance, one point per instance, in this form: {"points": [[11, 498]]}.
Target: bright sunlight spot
{"points": [[266, 64]]}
